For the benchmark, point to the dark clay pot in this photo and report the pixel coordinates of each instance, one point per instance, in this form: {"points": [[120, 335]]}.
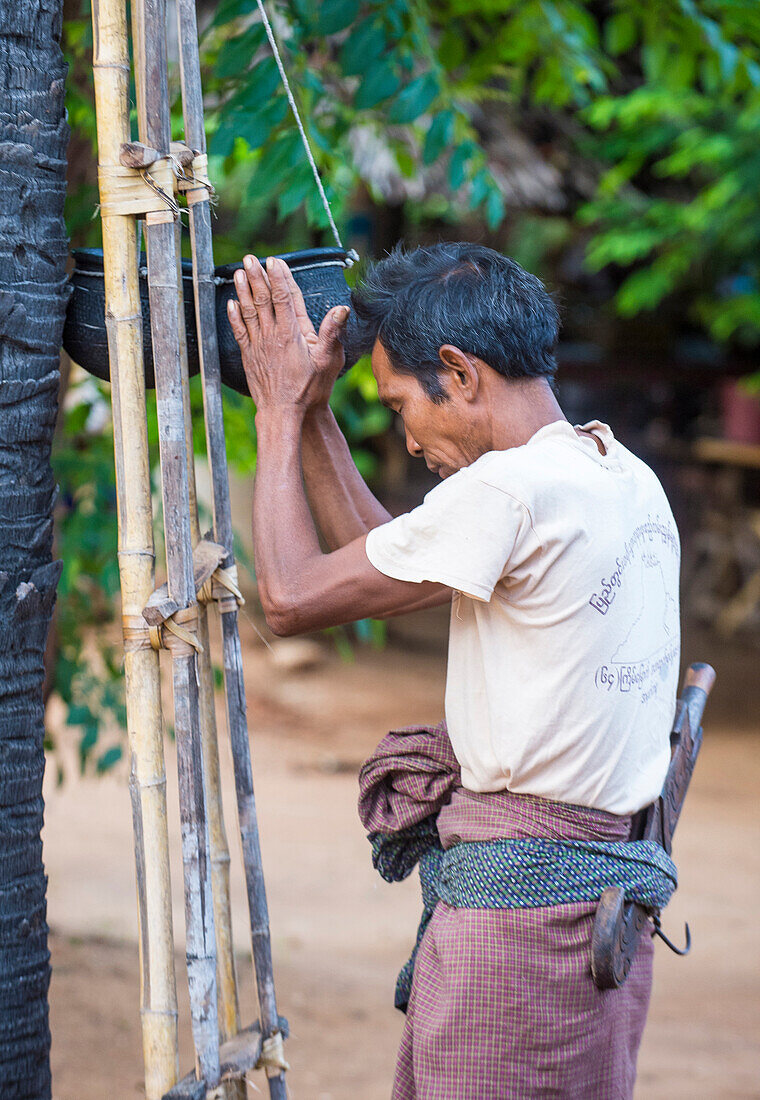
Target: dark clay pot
{"points": [[318, 272]]}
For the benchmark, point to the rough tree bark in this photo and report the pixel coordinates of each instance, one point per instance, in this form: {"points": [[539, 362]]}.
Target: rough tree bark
{"points": [[33, 249]]}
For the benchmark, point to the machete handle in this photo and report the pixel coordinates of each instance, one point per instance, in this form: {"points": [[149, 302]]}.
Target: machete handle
{"points": [[699, 675], [698, 683]]}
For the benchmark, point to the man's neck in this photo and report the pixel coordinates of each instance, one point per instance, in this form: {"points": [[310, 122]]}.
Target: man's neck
{"points": [[520, 409]]}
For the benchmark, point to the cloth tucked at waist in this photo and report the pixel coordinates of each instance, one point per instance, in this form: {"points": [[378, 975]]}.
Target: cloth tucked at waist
{"points": [[413, 774], [518, 851], [410, 775], [496, 850], [527, 874], [471, 816]]}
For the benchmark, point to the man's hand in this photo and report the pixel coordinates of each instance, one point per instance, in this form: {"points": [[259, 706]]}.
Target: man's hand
{"points": [[285, 361]]}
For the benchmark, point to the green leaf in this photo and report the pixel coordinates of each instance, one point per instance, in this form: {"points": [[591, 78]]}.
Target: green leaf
{"points": [[439, 136], [292, 197], [370, 632], [414, 99], [89, 738], [460, 158], [305, 10], [480, 187], [77, 419], [495, 209], [453, 49], [643, 290], [284, 154], [237, 53], [620, 33], [342, 643], [79, 716], [312, 81], [222, 141], [336, 15], [656, 57], [257, 128], [380, 82], [261, 84], [394, 13], [228, 10], [107, 759], [363, 47]]}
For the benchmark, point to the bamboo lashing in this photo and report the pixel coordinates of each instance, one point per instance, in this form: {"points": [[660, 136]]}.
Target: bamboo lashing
{"points": [[145, 191], [272, 1057], [177, 632], [237, 723], [158, 996], [196, 186], [222, 588]]}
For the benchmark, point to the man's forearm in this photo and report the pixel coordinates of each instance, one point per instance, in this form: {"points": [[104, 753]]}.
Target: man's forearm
{"points": [[341, 502], [300, 587], [284, 535]]}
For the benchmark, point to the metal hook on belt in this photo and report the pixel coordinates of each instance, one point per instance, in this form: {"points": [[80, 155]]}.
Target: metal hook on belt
{"points": [[659, 932]]}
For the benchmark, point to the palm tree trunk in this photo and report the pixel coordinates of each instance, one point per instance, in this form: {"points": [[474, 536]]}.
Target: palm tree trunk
{"points": [[33, 249]]}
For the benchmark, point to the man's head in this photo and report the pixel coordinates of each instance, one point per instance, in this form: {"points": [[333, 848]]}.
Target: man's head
{"points": [[453, 328]]}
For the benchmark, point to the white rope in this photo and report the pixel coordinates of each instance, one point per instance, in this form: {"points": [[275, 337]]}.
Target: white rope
{"points": [[296, 115]]}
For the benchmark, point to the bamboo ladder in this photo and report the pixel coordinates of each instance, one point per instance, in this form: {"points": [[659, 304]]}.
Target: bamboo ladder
{"points": [[138, 179]]}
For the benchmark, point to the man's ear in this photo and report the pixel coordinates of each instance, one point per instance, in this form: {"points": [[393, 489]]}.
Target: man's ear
{"points": [[462, 373]]}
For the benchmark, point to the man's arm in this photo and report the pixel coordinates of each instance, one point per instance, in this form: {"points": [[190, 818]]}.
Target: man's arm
{"points": [[300, 588], [341, 502]]}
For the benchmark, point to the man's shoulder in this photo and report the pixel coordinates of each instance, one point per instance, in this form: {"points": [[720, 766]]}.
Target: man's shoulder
{"points": [[507, 471], [518, 471], [557, 474], [493, 476]]}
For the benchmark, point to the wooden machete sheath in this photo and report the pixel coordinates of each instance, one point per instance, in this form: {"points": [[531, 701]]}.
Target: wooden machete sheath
{"points": [[618, 924]]}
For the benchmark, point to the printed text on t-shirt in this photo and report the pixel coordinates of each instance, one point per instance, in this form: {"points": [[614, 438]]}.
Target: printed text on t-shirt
{"points": [[653, 529]]}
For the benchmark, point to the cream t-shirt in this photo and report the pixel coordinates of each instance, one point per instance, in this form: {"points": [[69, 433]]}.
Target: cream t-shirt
{"points": [[564, 643]]}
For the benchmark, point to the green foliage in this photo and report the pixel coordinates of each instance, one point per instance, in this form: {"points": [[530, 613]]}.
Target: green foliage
{"points": [[679, 200], [371, 67], [360, 414], [658, 97]]}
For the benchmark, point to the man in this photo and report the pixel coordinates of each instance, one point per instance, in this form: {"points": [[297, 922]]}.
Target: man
{"points": [[558, 551]]}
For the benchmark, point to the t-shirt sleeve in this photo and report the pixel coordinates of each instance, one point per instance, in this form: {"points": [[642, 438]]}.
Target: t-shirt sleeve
{"points": [[463, 535]]}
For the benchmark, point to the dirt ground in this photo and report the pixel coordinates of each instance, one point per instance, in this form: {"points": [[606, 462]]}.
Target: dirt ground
{"points": [[340, 933]]}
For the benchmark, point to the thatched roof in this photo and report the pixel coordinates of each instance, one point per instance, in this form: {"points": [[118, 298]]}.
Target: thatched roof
{"points": [[530, 176]]}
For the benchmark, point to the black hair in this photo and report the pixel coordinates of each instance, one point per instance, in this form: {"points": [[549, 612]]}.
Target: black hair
{"points": [[454, 293]]}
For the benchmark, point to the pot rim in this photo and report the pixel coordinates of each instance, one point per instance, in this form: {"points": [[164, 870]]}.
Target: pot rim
{"points": [[89, 261]]}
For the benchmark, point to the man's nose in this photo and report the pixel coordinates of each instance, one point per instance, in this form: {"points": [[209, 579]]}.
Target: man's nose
{"points": [[412, 445]]}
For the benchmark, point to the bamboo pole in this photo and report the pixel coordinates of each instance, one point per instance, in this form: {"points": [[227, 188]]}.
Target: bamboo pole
{"points": [[229, 1011], [153, 119], [205, 307], [158, 997]]}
